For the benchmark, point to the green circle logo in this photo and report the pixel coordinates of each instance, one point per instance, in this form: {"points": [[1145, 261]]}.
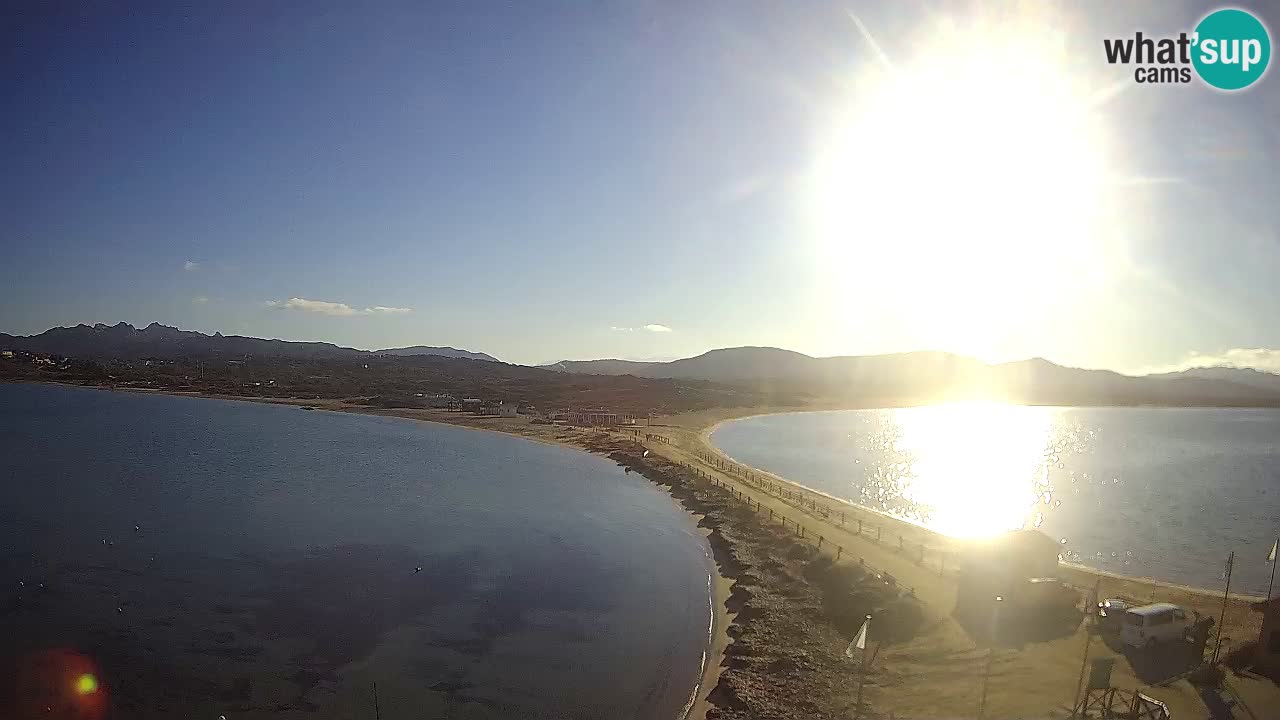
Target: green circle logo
{"points": [[1232, 49]]}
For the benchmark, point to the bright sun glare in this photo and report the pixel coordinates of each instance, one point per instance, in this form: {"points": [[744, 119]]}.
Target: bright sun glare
{"points": [[963, 185], [978, 468]]}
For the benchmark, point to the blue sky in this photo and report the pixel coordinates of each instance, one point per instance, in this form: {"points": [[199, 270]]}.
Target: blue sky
{"points": [[544, 181]]}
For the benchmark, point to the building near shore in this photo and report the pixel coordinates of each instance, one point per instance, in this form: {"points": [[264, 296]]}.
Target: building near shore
{"points": [[592, 417], [1020, 568], [1267, 656], [435, 400]]}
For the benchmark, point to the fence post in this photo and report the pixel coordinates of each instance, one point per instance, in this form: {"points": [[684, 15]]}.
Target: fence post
{"points": [[820, 538], [839, 552]]}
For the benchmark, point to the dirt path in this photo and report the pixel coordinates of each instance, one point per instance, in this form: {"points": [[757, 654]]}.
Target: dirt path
{"points": [[939, 673]]}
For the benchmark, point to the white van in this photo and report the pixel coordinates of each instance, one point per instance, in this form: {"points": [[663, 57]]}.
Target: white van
{"points": [[1147, 625]]}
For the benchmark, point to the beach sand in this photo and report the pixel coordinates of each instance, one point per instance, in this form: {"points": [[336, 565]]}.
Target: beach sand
{"points": [[776, 649], [937, 672]]}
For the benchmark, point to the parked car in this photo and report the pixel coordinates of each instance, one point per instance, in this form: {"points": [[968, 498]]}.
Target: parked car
{"points": [[1149, 625]]}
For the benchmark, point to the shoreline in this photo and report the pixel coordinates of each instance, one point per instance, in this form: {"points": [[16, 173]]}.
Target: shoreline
{"points": [[720, 586], [735, 682], [704, 438]]}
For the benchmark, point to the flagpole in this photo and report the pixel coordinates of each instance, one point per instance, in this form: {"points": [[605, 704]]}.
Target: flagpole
{"points": [[991, 652], [1266, 604], [862, 667], [1091, 609], [1217, 645], [1272, 584]]}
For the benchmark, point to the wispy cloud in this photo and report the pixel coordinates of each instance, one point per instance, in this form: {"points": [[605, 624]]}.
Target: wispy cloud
{"points": [[742, 188], [1267, 359], [200, 300], [653, 327], [322, 307], [190, 265], [336, 309]]}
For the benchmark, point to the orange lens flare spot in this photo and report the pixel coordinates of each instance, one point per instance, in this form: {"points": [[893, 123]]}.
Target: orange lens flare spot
{"points": [[86, 684]]}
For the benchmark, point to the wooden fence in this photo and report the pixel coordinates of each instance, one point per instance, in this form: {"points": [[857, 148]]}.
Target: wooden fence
{"points": [[864, 523], [837, 551]]}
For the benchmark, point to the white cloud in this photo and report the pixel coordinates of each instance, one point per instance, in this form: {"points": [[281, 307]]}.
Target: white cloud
{"points": [[1267, 359], [318, 306], [337, 309], [190, 265], [653, 327], [200, 300]]}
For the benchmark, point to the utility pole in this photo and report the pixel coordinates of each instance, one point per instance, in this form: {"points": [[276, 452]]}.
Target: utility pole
{"points": [[1266, 604], [991, 652], [1090, 609], [1231, 561]]}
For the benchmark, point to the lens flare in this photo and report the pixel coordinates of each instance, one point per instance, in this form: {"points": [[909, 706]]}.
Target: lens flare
{"points": [[86, 684]]}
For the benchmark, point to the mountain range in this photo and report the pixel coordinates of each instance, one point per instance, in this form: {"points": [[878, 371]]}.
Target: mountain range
{"points": [[865, 380], [122, 341], [932, 376]]}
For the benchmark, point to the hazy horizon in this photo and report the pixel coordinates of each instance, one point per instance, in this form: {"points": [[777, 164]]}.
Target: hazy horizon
{"points": [[634, 180], [1242, 359]]}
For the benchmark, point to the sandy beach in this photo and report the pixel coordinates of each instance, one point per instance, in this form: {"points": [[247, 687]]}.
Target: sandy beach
{"points": [[789, 562], [1034, 679]]}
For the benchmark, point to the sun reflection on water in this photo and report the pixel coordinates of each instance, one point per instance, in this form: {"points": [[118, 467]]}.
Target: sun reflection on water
{"points": [[967, 470]]}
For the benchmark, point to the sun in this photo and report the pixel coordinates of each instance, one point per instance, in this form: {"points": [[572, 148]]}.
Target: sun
{"points": [[963, 187]]}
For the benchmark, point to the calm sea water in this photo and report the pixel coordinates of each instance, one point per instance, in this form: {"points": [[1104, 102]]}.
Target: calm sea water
{"points": [[1161, 493], [275, 564]]}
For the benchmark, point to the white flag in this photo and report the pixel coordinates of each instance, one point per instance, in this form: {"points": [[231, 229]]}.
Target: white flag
{"points": [[859, 642], [1271, 557]]}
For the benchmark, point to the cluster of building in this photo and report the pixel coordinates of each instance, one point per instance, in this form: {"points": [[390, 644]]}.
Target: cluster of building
{"points": [[478, 406], [598, 417], [40, 360], [590, 417]]}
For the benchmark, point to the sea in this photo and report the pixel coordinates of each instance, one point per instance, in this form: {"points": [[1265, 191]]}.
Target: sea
{"points": [[1158, 493], [206, 558]]}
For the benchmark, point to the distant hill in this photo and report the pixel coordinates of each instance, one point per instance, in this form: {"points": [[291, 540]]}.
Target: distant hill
{"points": [[776, 375], [731, 364], [908, 378], [437, 351], [124, 341], [767, 364], [1250, 377]]}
